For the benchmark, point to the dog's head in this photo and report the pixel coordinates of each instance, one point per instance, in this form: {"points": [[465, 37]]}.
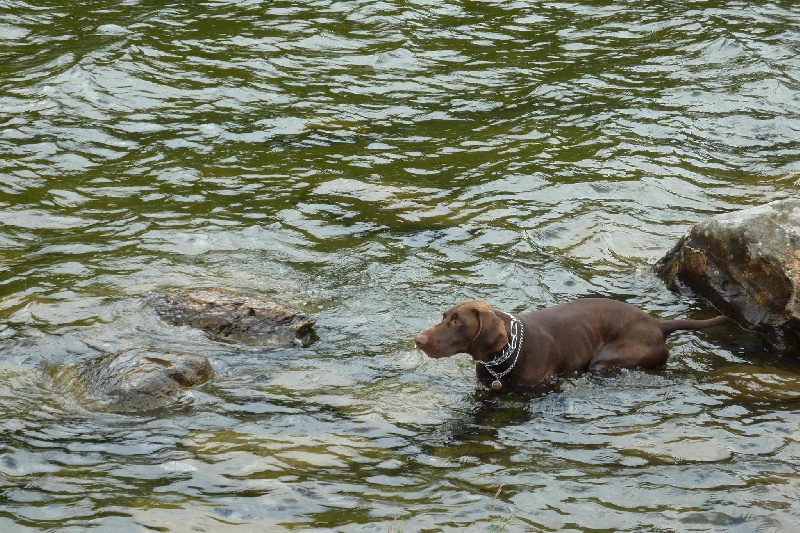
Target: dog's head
{"points": [[471, 327]]}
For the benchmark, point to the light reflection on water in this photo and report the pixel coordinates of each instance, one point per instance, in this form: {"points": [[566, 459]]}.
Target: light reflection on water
{"points": [[373, 163]]}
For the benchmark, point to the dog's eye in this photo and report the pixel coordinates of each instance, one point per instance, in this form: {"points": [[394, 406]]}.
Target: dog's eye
{"points": [[454, 321]]}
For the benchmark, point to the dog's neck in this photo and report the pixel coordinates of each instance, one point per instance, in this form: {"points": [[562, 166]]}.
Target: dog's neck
{"points": [[510, 352]]}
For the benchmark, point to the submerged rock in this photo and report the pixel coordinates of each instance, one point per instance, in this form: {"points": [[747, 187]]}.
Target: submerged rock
{"points": [[747, 264], [133, 380], [227, 315]]}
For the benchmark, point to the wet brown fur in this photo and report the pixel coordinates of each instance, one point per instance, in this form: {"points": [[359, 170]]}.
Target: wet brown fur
{"points": [[591, 333]]}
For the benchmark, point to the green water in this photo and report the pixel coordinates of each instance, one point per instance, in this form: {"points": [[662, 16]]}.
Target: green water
{"points": [[374, 162]]}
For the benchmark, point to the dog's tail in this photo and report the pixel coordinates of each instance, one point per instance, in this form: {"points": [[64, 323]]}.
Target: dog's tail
{"points": [[668, 326]]}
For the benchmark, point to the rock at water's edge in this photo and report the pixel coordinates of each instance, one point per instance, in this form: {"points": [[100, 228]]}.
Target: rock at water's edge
{"points": [[747, 264], [228, 315]]}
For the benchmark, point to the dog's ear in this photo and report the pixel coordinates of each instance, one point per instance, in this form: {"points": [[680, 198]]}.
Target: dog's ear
{"points": [[492, 334]]}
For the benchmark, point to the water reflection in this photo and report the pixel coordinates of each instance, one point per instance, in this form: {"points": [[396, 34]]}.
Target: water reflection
{"points": [[374, 163]]}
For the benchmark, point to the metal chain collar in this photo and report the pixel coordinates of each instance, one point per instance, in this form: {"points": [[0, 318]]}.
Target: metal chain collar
{"points": [[514, 347]]}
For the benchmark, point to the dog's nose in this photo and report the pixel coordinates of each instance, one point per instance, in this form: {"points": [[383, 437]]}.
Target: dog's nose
{"points": [[421, 340]]}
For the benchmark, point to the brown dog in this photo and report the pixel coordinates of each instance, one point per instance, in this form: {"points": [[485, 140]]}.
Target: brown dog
{"points": [[529, 350]]}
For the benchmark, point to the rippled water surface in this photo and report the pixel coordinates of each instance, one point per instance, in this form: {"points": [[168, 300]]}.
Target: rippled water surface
{"points": [[374, 162]]}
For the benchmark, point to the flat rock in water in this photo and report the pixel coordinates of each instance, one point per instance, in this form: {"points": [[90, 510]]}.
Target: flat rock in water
{"points": [[133, 380], [747, 264], [228, 315]]}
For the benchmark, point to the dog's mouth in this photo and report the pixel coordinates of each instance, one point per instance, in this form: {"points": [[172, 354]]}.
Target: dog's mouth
{"points": [[428, 350], [430, 353], [422, 342]]}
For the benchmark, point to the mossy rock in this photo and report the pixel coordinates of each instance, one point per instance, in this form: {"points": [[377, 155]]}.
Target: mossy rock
{"points": [[132, 380], [746, 264], [231, 316]]}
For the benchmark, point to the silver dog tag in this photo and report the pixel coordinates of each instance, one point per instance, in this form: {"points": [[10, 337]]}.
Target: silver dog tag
{"points": [[496, 385]]}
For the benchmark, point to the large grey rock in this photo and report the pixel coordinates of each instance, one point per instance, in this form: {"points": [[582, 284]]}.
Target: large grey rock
{"points": [[228, 315], [747, 264], [132, 380]]}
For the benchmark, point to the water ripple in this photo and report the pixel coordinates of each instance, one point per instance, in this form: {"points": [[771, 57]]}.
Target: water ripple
{"points": [[374, 162]]}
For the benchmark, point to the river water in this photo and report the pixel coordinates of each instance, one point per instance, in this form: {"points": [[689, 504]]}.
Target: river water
{"points": [[373, 163]]}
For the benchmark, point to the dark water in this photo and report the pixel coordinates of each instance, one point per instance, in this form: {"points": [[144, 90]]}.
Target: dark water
{"points": [[374, 162]]}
